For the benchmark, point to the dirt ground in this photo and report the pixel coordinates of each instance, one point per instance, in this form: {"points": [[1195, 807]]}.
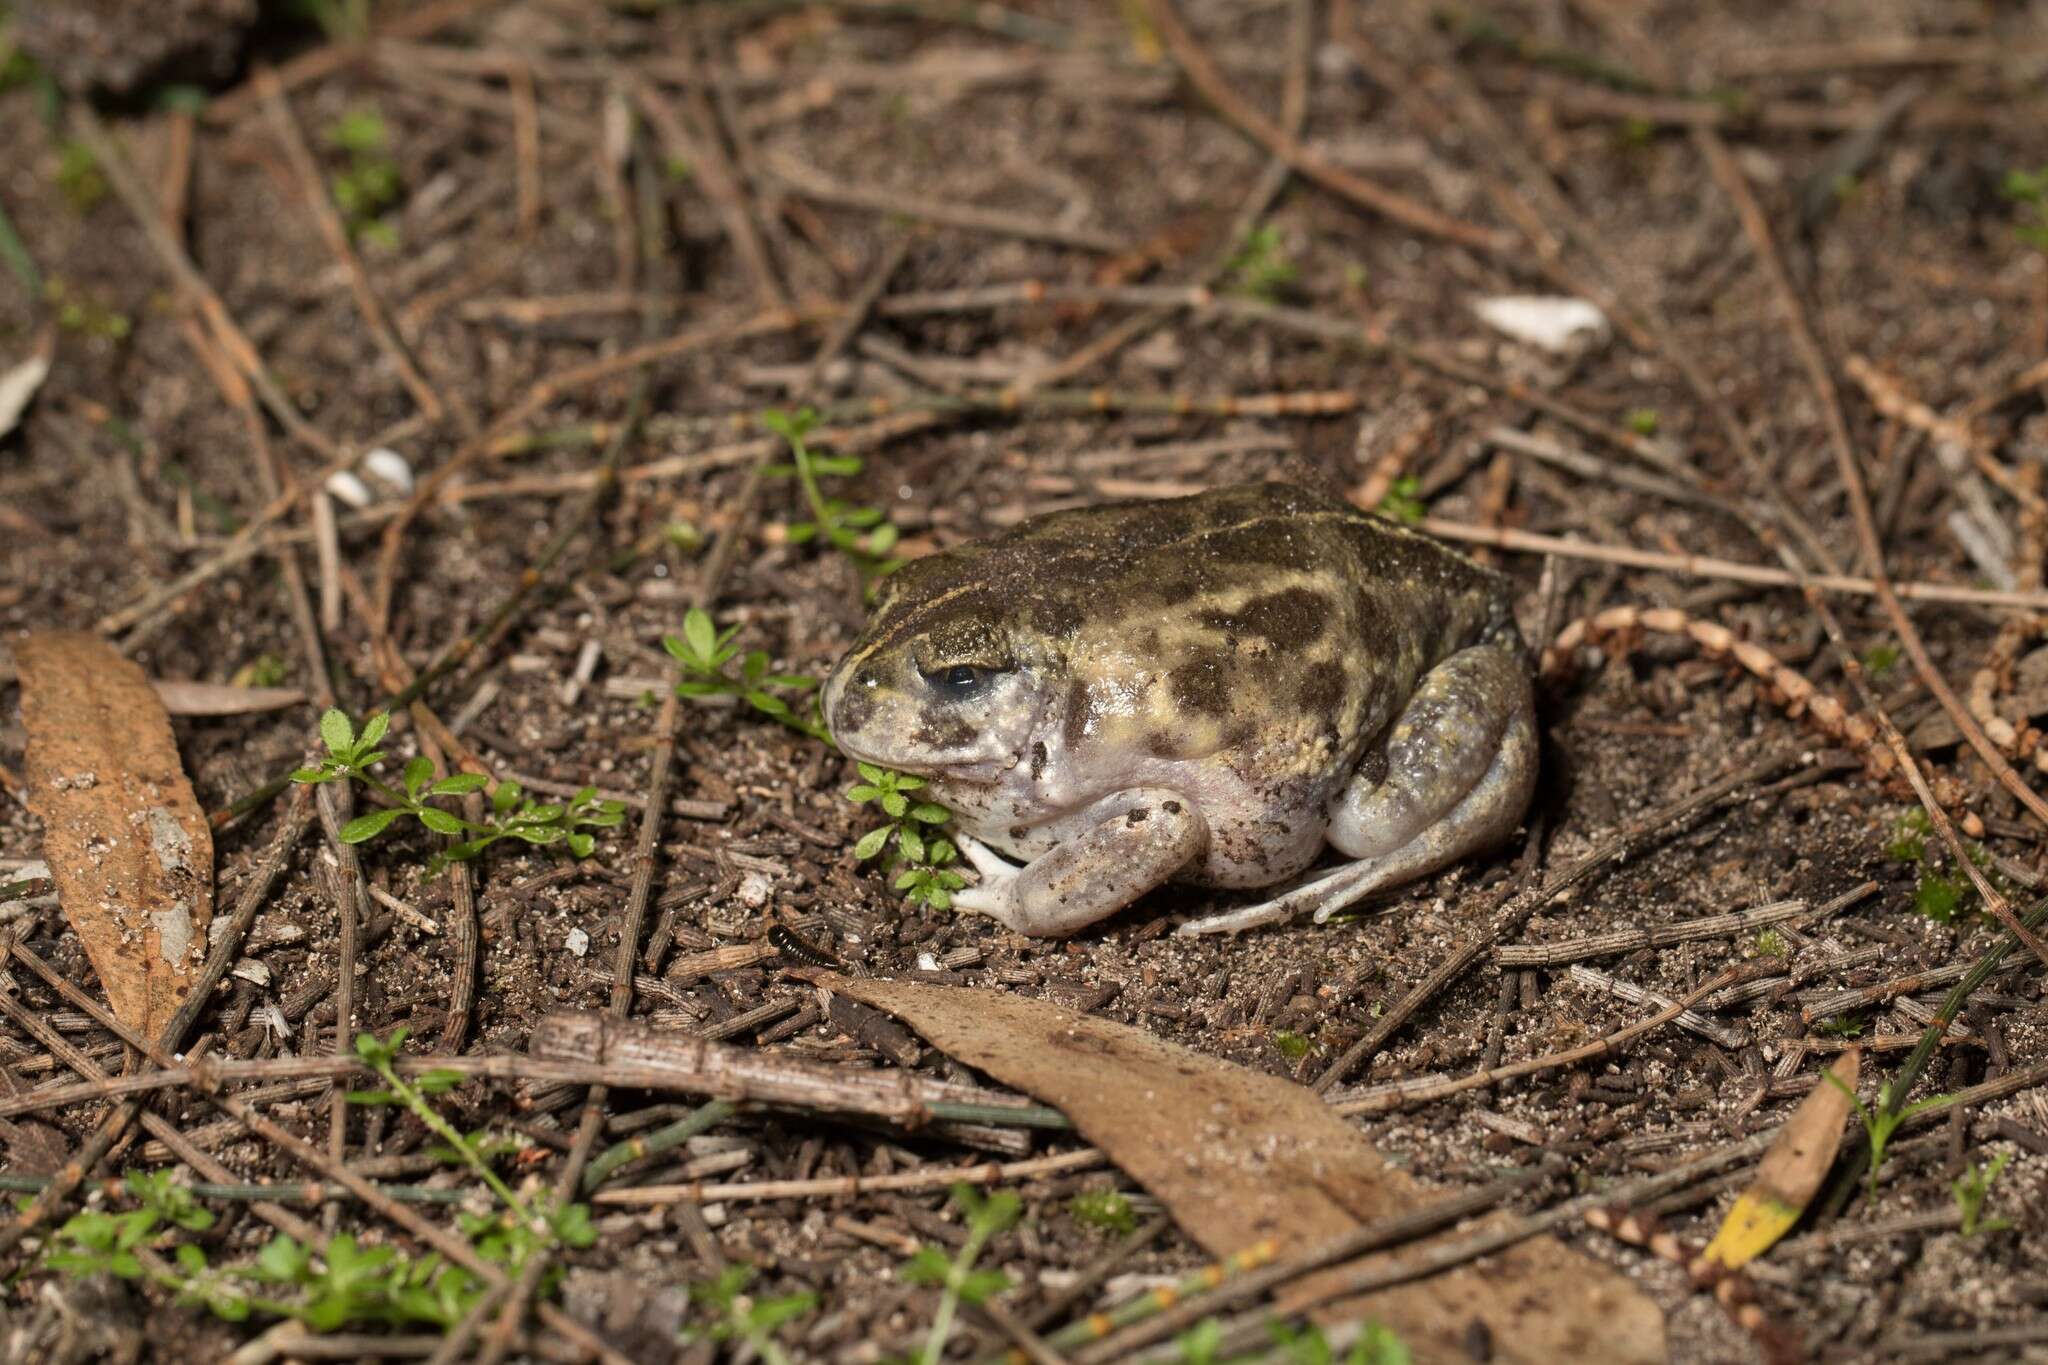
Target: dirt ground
{"points": [[807, 163]]}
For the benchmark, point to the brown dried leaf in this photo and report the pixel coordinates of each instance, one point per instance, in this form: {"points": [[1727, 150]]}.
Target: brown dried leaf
{"points": [[123, 834], [1237, 1157], [223, 699], [1790, 1174]]}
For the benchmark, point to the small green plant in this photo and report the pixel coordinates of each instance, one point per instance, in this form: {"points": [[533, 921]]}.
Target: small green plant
{"points": [[1879, 660], [1104, 1210], [1260, 269], [351, 755], [705, 653], [1972, 1188], [915, 824], [1293, 1046], [1842, 1026], [1306, 1345], [1880, 1123], [1643, 421], [265, 670], [957, 1279], [1201, 1344], [741, 1317], [79, 178], [2029, 189], [863, 534], [371, 185], [83, 314], [1938, 897], [1403, 502], [1771, 943]]}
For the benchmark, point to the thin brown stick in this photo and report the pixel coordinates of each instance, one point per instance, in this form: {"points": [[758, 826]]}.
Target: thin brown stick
{"points": [[703, 151], [847, 1186], [812, 183], [314, 191], [1203, 74]]}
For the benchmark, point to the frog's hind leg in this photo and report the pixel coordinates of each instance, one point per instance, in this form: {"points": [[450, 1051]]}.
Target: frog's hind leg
{"points": [[1452, 776]]}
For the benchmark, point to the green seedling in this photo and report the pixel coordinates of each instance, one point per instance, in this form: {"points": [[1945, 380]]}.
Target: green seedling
{"points": [[350, 756], [706, 654], [1938, 897], [265, 670], [79, 178], [862, 534], [371, 185], [1293, 1046], [1842, 1026], [1402, 502], [957, 1279], [1879, 660], [915, 824], [1972, 1188], [1104, 1210], [1880, 1123], [1771, 943], [2029, 190], [1260, 269], [83, 314], [1306, 1345], [743, 1318]]}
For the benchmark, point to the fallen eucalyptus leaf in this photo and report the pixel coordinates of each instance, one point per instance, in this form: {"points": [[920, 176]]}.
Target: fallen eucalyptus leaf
{"points": [[126, 841], [223, 699], [1790, 1173], [1239, 1157]]}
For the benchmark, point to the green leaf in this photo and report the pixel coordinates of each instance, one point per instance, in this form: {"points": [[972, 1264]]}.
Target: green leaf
{"points": [[191, 1258], [871, 773], [572, 1225], [366, 827], [768, 1315], [581, 845], [283, 1261], [505, 797], [928, 1266], [930, 812], [374, 730], [979, 1286], [371, 1097], [872, 842], [911, 842], [801, 532], [440, 821], [312, 775], [754, 666], [694, 688], [461, 784], [699, 633], [861, 793], [768, 704], [336, 732], [895, 804], [417, 773]]}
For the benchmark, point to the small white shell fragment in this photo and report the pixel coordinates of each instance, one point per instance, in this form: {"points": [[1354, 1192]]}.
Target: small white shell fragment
{"points": [[754, 889], [350, 489], [251, 971], [927, 963], [1559, 324], [388, 465], [578, 942]]}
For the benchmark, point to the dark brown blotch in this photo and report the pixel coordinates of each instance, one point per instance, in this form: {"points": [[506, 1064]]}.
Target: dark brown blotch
{"points": [[1322, 688], [1201, 684]]}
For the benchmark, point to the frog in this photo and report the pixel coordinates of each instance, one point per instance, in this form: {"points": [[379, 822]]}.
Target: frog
{"points": [[1205, 690]]}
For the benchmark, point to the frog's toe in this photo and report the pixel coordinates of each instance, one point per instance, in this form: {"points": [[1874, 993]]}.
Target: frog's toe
{"points": [[989, 863]]}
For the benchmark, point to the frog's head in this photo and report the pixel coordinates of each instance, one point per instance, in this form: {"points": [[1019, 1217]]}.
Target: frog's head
{"points": [[947, 680]]}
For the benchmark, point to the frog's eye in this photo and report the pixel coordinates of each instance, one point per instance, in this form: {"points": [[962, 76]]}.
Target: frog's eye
{"points": [[958, 682]]}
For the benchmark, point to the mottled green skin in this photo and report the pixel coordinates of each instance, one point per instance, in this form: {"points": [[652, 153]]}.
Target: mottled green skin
{"points": [[1244, 647]]}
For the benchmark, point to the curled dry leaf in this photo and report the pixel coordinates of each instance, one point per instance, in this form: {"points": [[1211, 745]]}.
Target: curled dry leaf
{"points": [[223, 699], [126, 841], [1791, 1172], [1239, 1157]]}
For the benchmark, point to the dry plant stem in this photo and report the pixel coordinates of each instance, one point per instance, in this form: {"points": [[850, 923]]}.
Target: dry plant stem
{"points": [[171, 253], [418, 25], [847, 1186], [1685, 931], [1705, 566], [463, 931], [1515, 913], [1204, 76], [810, 183], [226, 947], [348, 891], [1368, 1237], [1729, 176], [314, 191]]}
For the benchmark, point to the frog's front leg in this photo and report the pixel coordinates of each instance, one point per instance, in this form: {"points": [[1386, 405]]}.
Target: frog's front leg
{"points": [[1138, 839], [1452, 776]]}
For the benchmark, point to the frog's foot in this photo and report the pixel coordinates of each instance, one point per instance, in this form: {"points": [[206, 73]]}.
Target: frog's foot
{"points": [[1460, 763], [1139, 839]]}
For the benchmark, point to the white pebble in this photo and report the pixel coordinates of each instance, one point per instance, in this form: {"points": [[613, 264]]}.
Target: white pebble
{"points": [[388, 465], [754, 889], [578, 942], [1563, 325], [927, 963], [350, 489]]}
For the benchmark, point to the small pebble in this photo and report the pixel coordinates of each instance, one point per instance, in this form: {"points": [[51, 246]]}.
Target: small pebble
{"points": [[390, 467], [578, 942], [350, 489]]}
